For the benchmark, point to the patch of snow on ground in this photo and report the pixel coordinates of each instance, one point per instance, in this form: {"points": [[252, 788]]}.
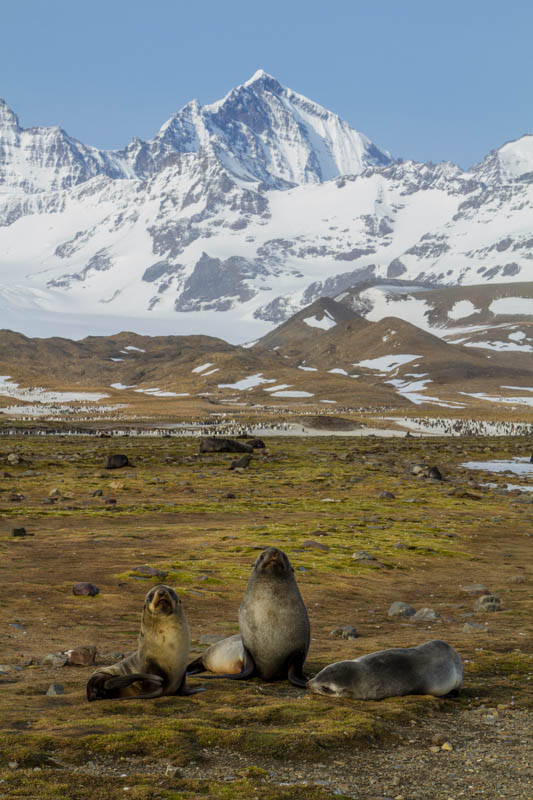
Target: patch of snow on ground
{"points": [[247, 383], [520, 388], [515, 401], [211, 371], [132, 347], [122, 386], [512, 305], [309, 369], [517, 337], [462, 309], [203, 366], [328, 401], [292, 394], [116, 359], [412, 391], [37, 394], [278, 387], [325, 323], [386, 363], [250, 344], [502, 346], [338, 371]]}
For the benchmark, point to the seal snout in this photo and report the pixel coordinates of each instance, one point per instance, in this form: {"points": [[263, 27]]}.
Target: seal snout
{"points": [[162, 599]]}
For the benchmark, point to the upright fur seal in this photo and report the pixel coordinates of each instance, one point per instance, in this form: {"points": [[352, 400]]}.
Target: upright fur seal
{"points": [[273, 622], [431, 668], [158, 666]]}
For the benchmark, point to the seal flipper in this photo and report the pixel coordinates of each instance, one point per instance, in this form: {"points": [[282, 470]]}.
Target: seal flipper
{"points": [[102, 686], [248, 669], [195, 667], [295, 670], [186, 691]]}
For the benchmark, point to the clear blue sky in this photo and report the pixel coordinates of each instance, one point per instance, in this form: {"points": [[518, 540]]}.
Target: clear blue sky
{"points": [[429, 80]]}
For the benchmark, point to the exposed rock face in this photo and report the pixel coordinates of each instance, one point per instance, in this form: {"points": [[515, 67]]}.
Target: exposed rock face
{"points": [[253, 206]]}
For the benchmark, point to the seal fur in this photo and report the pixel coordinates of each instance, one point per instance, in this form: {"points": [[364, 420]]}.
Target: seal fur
{"points": [[431, 668], [225, 656], [158, 666], [273, 622]]}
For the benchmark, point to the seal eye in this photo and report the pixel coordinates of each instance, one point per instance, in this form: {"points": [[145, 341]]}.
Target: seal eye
{"points": [[326, 690]]}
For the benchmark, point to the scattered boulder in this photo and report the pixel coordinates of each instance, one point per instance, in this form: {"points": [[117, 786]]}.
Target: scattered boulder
{"points": [[488, 602], [242, 462], [149, 572], [21, 532], [362, 555], [81, 656], [310, 544], [474, 627], [345, 632], [13, 459], [55, 689], [401, 609], [426, 615], [216, 444], [55, 660], [84, 589], [116, 461], [386, 496]]}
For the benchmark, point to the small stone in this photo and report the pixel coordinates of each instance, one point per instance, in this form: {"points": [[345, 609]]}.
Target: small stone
{"points": [[475, 588], [20, 532], [426, 615], [474, 627], [15, 497], [150, 572], [229, 495], [172, 772], [13, 458], [55, 660], [110, 501], [438, 738], [401, 609], [85, 589], [81, 656], [55, 689], [345, 632], [488, 602], [434, 748], [386, 496], [55, 492], [97, 493], [362, 555], [447, 746], [13, 764], [310, 544]]}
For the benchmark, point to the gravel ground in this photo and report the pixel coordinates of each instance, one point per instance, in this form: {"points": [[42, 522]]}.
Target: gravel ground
{"points": [[481, 752]]}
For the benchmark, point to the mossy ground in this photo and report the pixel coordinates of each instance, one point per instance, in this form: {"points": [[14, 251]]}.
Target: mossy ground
{"points": [[175, 511]]}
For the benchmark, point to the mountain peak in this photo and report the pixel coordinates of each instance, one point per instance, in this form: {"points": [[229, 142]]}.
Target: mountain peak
{"points": [[8, 118], [259, 75]]}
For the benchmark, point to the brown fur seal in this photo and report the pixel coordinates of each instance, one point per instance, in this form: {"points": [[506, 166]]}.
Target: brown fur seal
{"points": [[431, 668], [158, 666], [273, 623]]}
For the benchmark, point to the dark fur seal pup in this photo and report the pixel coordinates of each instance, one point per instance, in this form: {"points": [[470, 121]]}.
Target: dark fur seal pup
{"points": [[273, 622], [431, 668], [158, 666]]}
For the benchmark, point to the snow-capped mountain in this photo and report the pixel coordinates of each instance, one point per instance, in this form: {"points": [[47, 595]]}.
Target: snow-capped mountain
{"points": [[245, 210]]}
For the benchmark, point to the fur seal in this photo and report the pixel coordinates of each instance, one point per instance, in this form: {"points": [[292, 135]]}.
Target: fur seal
{"points": [[158, 666], [273, 623], [226, 656], [431, 668]]}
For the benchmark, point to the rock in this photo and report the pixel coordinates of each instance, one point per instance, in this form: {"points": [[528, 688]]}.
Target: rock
{"points": [[55, 689], [13, 459], [98, 493], [150, 572], [116, 461], [435, 473], [345, 632], [20, 532], [13, 764], [310, 544], [55, 660], [401, 609], [488, 602], [110, 501], [120, 485], [28, 473], [447, 746], [85, 589], [386, 496], [362, 555], [55, 492], [417, 469], [15, 497], [229, 496], [474, 627], [81, 656], [426, 615], [242, 462], [475, 588], [517, 579], [216, 444], [172, 772]]}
